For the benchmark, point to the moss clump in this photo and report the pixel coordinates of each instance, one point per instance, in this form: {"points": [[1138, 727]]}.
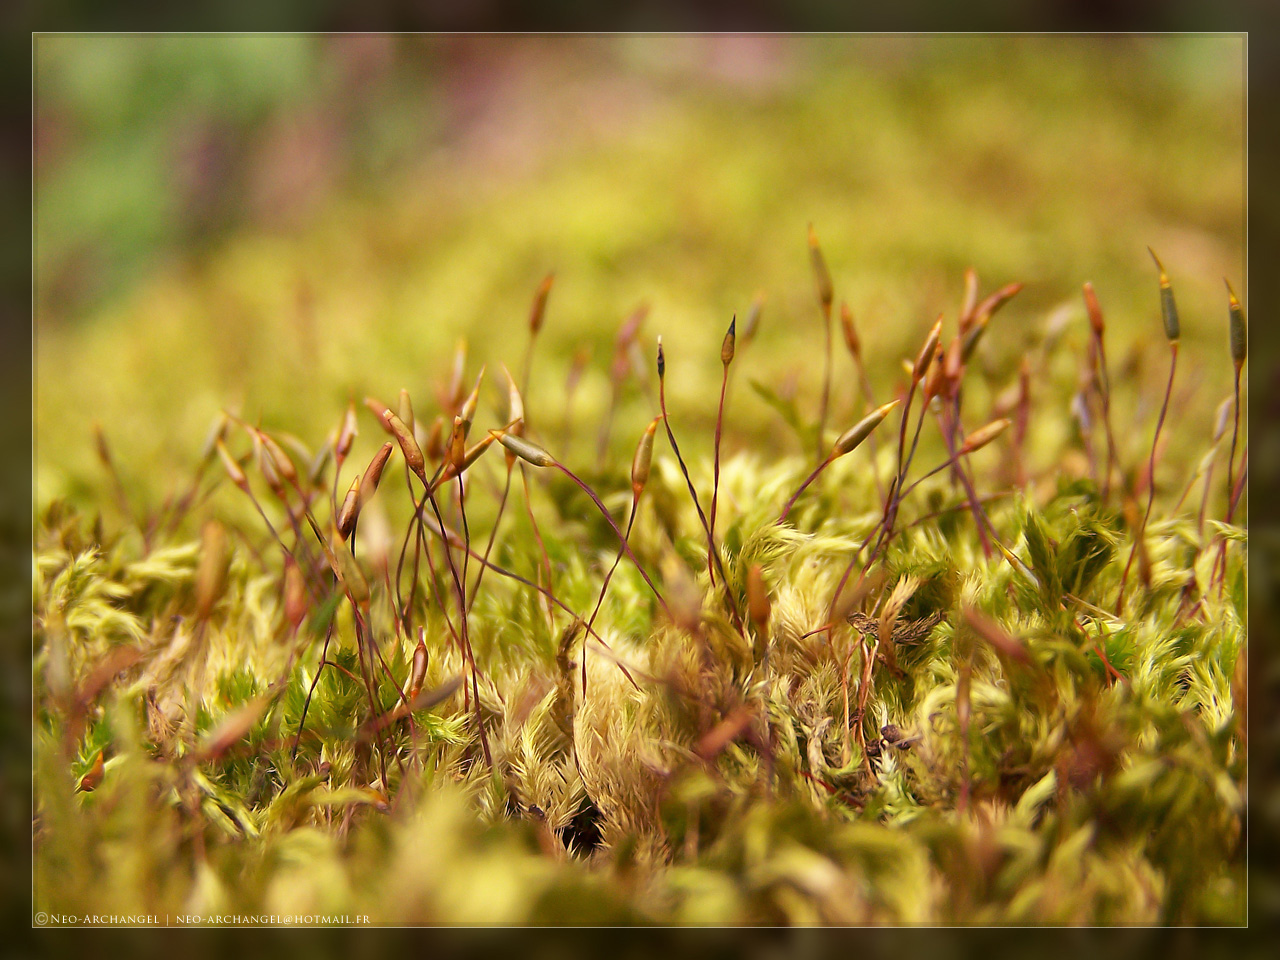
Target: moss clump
{"points": [[924, 697]]}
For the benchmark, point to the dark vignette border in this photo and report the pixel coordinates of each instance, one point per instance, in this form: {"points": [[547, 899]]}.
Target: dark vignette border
{"points": [[16, 353]]}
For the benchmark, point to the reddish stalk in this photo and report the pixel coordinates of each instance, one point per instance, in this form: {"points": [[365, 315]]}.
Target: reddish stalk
{"points": [[413, 531], [640, 465], [684, 470], [922, 363], [1151, 474], [542, 546], [188, 499], [538, 457], [989, 498], [240, 480], [975, 441], [801, 489], [455, 465], [1234, 488], [1235, 433], [467, 652], [614, 526], [889, 515], [515, 423], [357, 591], [604, 587], [306, 704], [493, 532], [846, 443], [726, 358], [1239, 351], [1172, 329], [444, 533], [1219, 571], [948, 417]]}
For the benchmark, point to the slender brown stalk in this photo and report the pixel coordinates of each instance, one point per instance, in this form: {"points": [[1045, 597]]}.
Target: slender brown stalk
{"points": [[207, 453], [1239, 352], [516, 424], [878, 532], [1204, 472], [1172, 330], [493, 532], [1240, 482], [356, 587], [458, 459], [306, 704], [1235, 434], [1151, 474], [468, 653], [949, 416], [726, 358], [846, 443], [277, 468], [640, 465], [442, 532], [463, 607], [1220, 564], [813, 475], [975, 441], [712, 552], [934, 514], [582, 485], [889, 515], [533, 454], [542, 546], [929, 390], [240, 480], [604, 586], [425, 547]]}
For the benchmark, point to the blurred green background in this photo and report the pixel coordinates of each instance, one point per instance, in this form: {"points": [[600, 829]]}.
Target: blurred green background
{"points": [[275, 223]]}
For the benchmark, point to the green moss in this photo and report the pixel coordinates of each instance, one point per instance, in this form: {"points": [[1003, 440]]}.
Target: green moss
{"points": [[1048, 752]]}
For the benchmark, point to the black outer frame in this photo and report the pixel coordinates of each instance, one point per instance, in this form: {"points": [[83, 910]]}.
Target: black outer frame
{"points": [[17, 353]]}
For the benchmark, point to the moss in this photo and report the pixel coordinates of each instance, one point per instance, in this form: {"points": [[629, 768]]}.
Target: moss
{"points": [[1065, 744], [1084, 765]]}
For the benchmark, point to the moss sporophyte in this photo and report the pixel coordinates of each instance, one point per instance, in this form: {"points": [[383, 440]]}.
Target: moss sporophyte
{"points": [[907, 680]]}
